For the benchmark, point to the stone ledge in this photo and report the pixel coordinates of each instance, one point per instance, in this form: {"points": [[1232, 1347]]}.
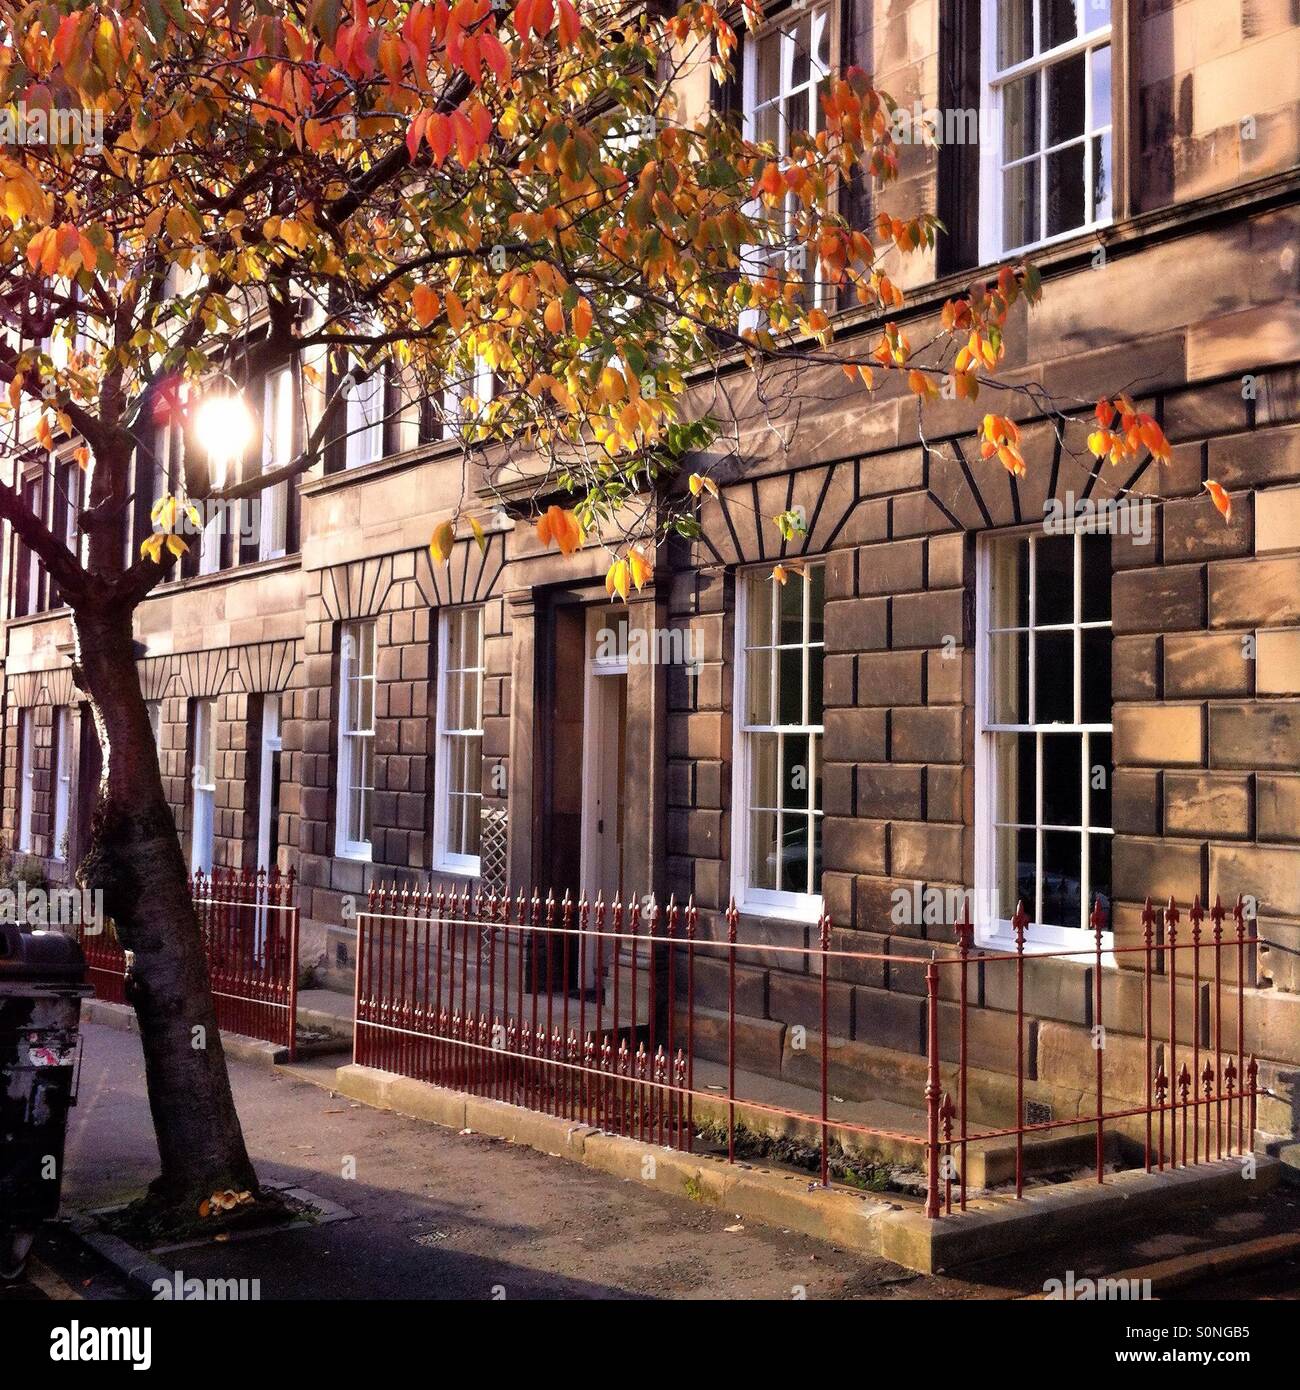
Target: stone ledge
{"points": [[894, 1228]]}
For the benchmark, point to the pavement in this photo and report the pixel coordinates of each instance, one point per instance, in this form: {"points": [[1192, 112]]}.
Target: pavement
{"points": [[436, 1214]]}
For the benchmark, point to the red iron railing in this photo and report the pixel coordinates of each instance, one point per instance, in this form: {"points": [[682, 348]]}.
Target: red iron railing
{"points": [[593, 1012], [250, 924], [105, 963], [249, 921]]}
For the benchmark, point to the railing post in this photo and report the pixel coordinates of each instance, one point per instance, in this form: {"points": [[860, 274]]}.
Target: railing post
{"points": [[1099, 1041], [731, 1031], [292, 901], [824, 941], [965, 939], [1019, 921], [932, 1096]]}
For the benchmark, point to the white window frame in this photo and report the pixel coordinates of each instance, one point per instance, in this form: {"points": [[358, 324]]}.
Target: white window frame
{"points": [[992, 83], [364, 419], [770, 902], [26, 778], [203, 783], [62, 782], [278, 418], [444, 859], [991, 929], [351, 637], [755, 260]]}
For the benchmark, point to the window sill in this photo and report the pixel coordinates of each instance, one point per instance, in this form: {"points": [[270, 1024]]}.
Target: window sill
{"points": [[780, 912], [465, 871], [357, 855], [1001, 941]]}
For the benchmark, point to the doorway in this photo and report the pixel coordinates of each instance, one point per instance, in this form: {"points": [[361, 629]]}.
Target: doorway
{"points": [[604, 754]]}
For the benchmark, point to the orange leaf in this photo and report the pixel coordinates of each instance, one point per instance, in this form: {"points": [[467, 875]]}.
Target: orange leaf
{"points": [[554, 317], [582, 319], [1220, 498], [426, 305]]}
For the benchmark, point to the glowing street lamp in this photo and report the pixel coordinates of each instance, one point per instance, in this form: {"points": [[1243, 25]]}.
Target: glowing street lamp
{"points": [[223, 425]]}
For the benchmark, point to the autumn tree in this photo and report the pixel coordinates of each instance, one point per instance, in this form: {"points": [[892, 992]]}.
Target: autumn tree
{"points": [[441, 193]]}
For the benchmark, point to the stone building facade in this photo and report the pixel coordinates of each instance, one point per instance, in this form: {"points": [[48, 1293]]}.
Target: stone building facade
{"points": [[979, 696]]}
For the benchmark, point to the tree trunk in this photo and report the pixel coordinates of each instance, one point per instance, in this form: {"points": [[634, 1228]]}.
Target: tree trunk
{"points": [[135, 859]]}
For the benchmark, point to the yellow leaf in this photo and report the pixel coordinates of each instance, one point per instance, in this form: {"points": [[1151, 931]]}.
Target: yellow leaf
{"points": [[639, 568], [176, 544], [479, 537], [616, 579], [444, 537], [151, 548]]}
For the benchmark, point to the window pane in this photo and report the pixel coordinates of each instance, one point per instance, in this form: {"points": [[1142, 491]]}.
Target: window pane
{"points": [[1101, 198], [1100, 774], [455, 824], [1062, 889], [1016, 871], [790, 610], [1059, 22], [794, 854], [1063, 87], [1096, 15], [1015, 31], [758, 686], [763, 775], [795, 772], [762, 849], [1020, 118], [1054, 678], [1020, 204], [1062, 773], [799, 39], [1009, 584], [1016, 754], [365, 704], [1008, 678], [1053, 580], [473, 826], [473, 780], [1095, 658], [1099, 70], [816, 603], [816, 669], [1099, 848], [1065, 204], [759, 617], [1095, 598], [790, 685], [768, 75]]}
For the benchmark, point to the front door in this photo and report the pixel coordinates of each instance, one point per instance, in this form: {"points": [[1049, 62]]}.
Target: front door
{"points": [[604, 754]]}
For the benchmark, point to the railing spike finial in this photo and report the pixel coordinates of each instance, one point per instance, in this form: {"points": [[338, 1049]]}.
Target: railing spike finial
{"points": [[1098, 917], [1019, 921]]}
